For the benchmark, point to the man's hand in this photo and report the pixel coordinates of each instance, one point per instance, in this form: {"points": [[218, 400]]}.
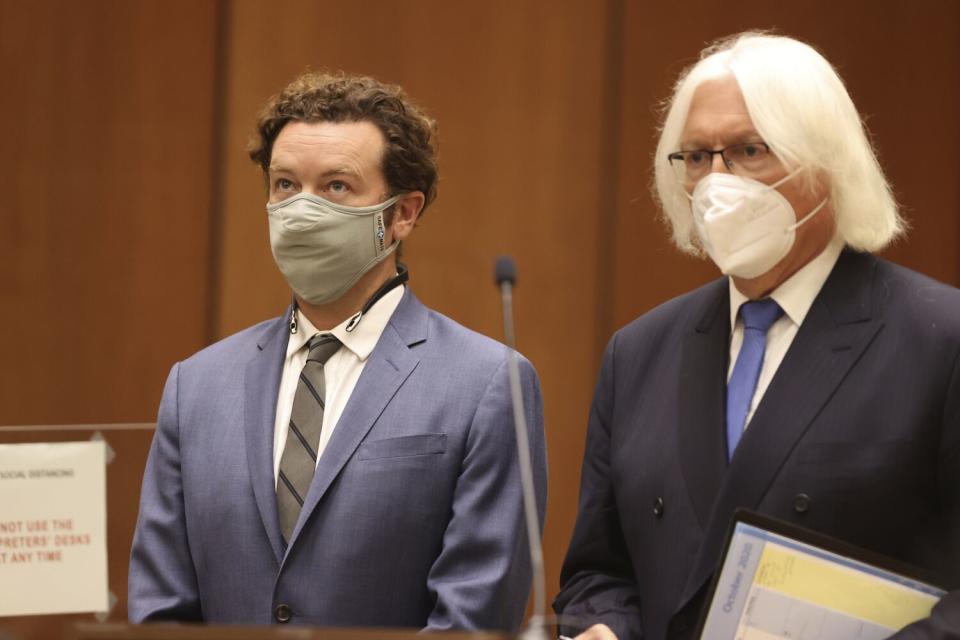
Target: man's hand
{"points": [[597, 632]]}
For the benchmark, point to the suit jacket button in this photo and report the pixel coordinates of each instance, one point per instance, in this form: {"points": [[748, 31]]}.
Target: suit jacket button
{"points": [[658, 507], [801, 503], [282, 613]]}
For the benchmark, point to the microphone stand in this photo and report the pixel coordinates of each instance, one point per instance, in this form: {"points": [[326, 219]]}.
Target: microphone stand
{"points": [[506, 276]]}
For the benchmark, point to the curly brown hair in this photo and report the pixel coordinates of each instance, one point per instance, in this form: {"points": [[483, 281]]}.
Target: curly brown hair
{"points": [[409, 160]]}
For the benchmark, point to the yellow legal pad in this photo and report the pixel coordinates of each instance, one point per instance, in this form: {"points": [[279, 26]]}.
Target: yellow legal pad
{"points": [[778, 581]]}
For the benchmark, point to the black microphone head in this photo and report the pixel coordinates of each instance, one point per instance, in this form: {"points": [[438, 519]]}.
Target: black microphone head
{"points": [[505, 271]]}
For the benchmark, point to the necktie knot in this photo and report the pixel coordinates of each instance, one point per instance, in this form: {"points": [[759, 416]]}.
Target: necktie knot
{"points": [[760, 314], [322, 346]]}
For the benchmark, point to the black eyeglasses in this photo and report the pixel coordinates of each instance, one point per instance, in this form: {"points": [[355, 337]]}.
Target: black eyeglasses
{"points": [[747, 158]]}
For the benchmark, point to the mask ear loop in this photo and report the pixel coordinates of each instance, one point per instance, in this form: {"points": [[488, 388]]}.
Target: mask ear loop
{"points": [[816, 209], [790, 175], [402, 276]]}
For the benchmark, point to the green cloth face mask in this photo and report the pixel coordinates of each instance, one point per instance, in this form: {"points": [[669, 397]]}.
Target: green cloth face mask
{"points": [[323, 248]]}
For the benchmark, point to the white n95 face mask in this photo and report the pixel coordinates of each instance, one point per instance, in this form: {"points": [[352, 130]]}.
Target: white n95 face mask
{"points": [[746, 226], [323, 248]]}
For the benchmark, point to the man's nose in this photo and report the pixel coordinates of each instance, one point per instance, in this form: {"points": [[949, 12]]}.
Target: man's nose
{"points": [[717, 163]]}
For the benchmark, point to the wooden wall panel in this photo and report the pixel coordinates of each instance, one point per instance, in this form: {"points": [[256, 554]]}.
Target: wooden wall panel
{"points": [[901, 64], [518, 89], [106, 182]]}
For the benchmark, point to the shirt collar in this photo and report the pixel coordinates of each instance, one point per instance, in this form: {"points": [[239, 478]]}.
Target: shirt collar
{"points": [[795, 295], [364, 336]]}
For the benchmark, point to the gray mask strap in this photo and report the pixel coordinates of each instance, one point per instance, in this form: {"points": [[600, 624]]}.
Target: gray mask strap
{"points": [[294, 325], [403, 275]]}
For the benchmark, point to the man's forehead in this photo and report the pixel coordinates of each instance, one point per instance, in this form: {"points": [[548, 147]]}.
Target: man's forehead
{"points": [[361, 134], [342, 146], [718, 112], [706, 134]]}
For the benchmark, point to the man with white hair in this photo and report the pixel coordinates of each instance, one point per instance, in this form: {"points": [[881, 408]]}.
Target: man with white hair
{"points": [[814, 382]]}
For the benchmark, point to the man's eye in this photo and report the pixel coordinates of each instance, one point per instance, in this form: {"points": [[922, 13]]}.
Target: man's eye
{"points": [[752, 151], [338, 187], [283, 184], [695, 157]]}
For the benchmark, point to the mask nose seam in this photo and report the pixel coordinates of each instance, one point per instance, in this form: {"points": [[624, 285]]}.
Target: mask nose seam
{"points": [[341, 209], [747, 195]]}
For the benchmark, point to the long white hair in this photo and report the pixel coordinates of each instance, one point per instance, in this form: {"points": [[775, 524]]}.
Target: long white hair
{"points": [[801, 108]]}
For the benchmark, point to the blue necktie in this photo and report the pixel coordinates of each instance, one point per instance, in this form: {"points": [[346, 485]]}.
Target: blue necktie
{"points": [[757, 316]]}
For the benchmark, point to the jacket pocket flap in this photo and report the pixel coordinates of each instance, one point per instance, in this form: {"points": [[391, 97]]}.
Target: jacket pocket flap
{"points": [[403, 446]]}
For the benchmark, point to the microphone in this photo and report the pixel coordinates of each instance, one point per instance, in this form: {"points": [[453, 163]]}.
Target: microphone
{"points": [[505, 271], [505, 275]]}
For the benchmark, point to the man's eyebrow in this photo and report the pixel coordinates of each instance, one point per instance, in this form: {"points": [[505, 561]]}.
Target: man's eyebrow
{"points": [[737, 137], [339, 171], [746, 135], [335, 171]]}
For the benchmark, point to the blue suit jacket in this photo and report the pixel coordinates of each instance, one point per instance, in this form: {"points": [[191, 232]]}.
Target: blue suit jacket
{"points": [[857, 436], [414, 517]]}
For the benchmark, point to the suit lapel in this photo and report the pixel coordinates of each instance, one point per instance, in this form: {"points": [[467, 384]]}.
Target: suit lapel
{"points": [[835, 333], [261, 386], [388, 366], [701, 401]]}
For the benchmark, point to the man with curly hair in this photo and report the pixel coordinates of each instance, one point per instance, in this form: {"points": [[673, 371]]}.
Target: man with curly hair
{"points": [[351, 463]]}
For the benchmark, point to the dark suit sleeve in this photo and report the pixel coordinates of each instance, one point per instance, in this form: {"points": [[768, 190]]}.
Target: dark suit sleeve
{"points": [[597, 583], [944, 622], [162, 583], [481, 579]]}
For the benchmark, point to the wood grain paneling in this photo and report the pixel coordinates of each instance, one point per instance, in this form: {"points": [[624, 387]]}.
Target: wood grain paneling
{"points": [[518, 90], [106, 182], [106, 178]]}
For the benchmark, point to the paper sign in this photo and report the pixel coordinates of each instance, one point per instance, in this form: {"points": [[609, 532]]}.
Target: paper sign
{"points": [[53, 517]]}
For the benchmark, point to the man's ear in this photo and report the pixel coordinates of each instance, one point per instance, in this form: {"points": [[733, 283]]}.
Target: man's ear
{"points": [[406, 211]]}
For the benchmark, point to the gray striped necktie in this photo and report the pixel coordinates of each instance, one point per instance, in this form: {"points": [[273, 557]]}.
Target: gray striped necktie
{"points": [[299, 459]]}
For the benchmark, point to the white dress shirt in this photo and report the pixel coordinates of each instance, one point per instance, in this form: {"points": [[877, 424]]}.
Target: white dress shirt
{"points": [[795, 296], [340, 372]]}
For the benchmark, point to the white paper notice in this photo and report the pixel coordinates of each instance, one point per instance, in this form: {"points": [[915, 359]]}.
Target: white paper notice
{"points": [[53, 520]]}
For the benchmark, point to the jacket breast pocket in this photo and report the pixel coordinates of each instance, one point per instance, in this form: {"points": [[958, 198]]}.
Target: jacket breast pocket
{"points": [[403, 446]]}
